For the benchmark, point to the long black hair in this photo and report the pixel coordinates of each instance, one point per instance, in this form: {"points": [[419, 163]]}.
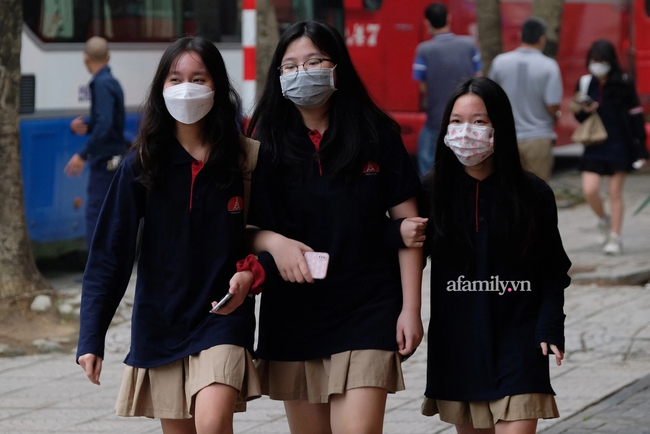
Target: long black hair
{"points": [[355, 121], [603, 50], [617, 81], [514, 221], [222, 123]]}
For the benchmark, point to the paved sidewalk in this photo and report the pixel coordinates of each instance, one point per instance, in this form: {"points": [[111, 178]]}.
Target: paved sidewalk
{"points": [[625, 412], [608, 349], [579, 234]]}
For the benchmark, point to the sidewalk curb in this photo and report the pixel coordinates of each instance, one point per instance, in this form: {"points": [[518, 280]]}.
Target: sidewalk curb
{"points": [[605, 404], [635, 276]]}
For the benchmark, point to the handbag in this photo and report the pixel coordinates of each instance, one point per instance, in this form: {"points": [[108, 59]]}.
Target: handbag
{"points": [[591, 131]]}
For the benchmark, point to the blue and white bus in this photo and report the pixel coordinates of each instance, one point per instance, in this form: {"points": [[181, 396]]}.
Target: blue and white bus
{"points": [[54, 83], [54, 89]]}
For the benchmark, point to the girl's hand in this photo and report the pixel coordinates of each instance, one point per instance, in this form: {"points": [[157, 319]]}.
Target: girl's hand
{"points": [[289, 257], [412, 230], [240, 284], [559, 355], [92, 364], [409, 331], [590, 108]]}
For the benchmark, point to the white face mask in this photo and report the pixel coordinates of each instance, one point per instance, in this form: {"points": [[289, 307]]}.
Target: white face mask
{"points": [[471, 143], [188, 102], [599, 69], [308, 90]]}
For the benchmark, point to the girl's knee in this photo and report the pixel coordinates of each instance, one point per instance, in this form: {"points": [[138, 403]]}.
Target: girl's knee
{"points": [[591, 193], [214, 407], [616, 197], [615, 194], [214, 423], [178, 426]]}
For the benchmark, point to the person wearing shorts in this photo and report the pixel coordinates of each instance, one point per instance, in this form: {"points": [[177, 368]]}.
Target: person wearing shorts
{"points": [[331, 166], [498, 273], [613, 96], [187, 366]]}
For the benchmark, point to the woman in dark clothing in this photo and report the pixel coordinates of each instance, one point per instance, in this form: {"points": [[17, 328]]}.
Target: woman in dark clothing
{"points": [[331, 166], [498, 273], [186, 366], [613, 96]]}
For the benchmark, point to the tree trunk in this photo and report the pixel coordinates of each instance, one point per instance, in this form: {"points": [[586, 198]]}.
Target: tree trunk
{"points": [[18, 274], [268, 36], [488, 17], [551, 12]]}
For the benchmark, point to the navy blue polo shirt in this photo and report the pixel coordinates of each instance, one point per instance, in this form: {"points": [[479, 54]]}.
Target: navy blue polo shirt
{"points": [[193, 234], [357, 305]]}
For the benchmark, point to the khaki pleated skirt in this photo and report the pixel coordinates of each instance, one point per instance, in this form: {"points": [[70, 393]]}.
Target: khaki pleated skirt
{"points": [[168, 391], [485, 414], [316, 380]]}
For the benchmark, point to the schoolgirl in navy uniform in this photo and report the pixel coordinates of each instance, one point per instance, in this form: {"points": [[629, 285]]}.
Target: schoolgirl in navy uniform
{"points": [[331, 166], [614, 97], [186, 366], [488, 342]]}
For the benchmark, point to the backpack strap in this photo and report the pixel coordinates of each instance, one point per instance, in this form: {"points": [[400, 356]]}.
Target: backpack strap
{"points": [[249, 162]]}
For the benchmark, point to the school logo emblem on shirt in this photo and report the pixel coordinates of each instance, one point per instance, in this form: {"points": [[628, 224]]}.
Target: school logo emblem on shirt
{"points": [[370, 168], [236, 205]]}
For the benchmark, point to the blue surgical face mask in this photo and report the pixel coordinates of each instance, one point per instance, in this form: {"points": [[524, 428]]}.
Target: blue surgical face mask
{"points": [[308, 89]]}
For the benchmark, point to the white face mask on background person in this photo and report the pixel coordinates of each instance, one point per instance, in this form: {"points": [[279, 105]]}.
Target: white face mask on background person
{"points": [[471, 143], [188, 102], [308, 89], [599, 69]]}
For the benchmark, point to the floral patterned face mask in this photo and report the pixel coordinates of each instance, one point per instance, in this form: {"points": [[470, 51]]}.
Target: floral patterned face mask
{"points": [[471, 143]]}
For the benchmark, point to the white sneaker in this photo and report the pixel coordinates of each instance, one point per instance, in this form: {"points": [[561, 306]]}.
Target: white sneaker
{"points": [[614, 245], [604, 226]]}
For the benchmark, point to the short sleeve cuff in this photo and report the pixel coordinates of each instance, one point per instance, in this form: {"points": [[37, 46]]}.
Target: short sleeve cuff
{"points": [[250, 263]]}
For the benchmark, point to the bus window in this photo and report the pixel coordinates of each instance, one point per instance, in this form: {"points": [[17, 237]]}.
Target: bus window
{"points": [[293, 11], [372, 5], [647, 7], [132, 20]]}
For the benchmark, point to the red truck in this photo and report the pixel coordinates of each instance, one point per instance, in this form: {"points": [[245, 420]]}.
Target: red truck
{"points": [[382, 36]]}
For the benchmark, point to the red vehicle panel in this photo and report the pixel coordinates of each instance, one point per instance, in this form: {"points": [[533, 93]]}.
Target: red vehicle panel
{"points": [[382, 44]]}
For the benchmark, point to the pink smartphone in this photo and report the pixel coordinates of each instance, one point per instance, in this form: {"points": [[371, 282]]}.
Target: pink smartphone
{"points": [[317, 263]]}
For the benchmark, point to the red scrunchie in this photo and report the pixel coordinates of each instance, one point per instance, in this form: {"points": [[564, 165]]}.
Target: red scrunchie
{"points": [[250, 263]]}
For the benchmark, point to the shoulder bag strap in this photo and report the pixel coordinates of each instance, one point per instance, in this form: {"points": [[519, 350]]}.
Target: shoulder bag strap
{"points": [[585, 80], [251, 149]]}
